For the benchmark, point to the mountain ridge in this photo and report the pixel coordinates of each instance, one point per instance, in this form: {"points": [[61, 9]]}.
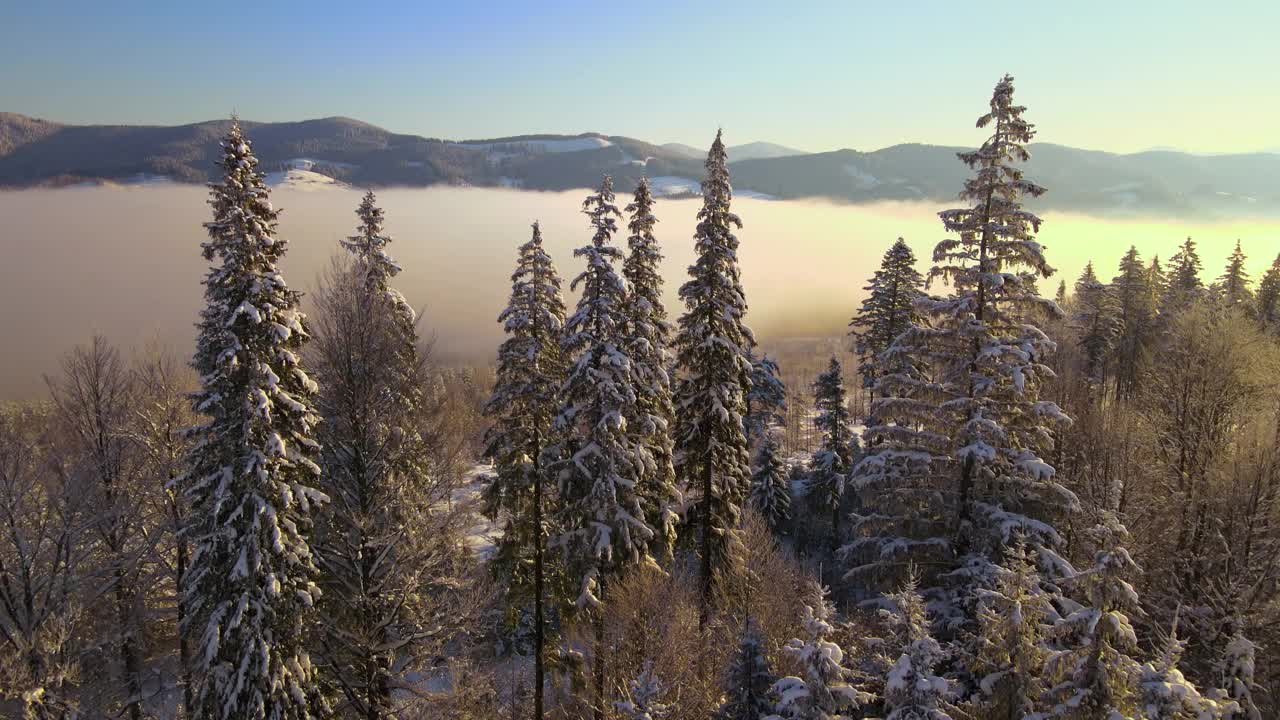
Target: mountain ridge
{"points": [[40, 153]]}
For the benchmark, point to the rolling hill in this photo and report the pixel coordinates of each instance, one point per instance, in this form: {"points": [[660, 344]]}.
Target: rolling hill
{"points": [[40, 153]]}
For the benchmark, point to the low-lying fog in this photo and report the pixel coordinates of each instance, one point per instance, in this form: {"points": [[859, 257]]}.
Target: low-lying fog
{"points": [[126, 262]]}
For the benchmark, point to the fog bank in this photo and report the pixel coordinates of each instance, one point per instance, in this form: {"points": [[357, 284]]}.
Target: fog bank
{"points": [[125, 262]]}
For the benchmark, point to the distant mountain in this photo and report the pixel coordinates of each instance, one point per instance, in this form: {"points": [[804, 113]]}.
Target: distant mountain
{"points": [[36, 152], [748, 151]]}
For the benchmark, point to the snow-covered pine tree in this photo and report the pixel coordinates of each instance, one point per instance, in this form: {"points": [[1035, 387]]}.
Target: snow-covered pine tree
{"points": [[600, 461], [1096, 319], [771, 485], [1268, 299], [887, 312], [1060, 297], [646, 693], [824, 692], [376, 470], [749, 681], [766, 400], [713, 357], [523, 407], [251, 480], [988, 356], [1239, 663], [1137, 310], [831, 463], [647, 343], [1166, 694], [913, 690], [1012, 620], [1232, 289], [1182, 286], [1091, 671]]}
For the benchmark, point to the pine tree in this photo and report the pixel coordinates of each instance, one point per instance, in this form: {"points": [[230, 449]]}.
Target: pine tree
{"points": [[749, 680], [1010, 649], [1268, 300], [1166, 694], [523, 407], [1182, 285], [913, 690], [770, 485], [832, 462], [1093, 673], [823, 693], [1096, 320], [887, 312], [646, 342], [1232, 288], [990, 357], [713, 347], [766, 400], [646, 693], [1060, 297], [251, 480], [1238, 667], [1134, 302], [375, 470], [600, 461]]}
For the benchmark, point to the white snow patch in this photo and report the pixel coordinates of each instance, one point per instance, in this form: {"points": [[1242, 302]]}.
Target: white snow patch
{"points": [[302, 180], [668, 185], [310, 163], [861, 178]]}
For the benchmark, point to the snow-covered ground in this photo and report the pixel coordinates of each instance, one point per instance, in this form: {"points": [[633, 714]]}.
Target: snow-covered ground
{"points": [[302, 180], [483, 534], [309, 163]]}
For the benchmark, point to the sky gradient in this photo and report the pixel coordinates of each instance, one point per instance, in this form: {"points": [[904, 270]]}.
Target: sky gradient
{"points": [[815, 76]]}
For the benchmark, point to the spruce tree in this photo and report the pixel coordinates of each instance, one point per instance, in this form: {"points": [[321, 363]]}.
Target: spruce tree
{"points": [[770, 485], [749, 681], [1182, 286], [887, 312], [713, 357], [831, 463], [375, 470], [252, 478], [647, 340], [600, 461], [766, 400], [1165, 694], [913, 690], [1134, 302], [965, 443], [1096, 320], [1232, 288], [1268, 299], [1092, 671], [523, 407], [1239, 663], [824, 692], [1012, 620]]}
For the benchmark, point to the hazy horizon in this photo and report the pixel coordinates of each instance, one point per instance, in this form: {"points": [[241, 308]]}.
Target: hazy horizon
{"points": [[816, 77], [125, 262]]}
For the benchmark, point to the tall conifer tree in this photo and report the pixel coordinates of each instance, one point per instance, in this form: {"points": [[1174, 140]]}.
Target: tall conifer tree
{"points": [[1182, 286], [832, 462], [1268, 299], [1232, 288], [1134, 302], [647, 343], [523, 407], [1096, 320], [887, 312], [713, 356], [252, 478], [376, 469]]}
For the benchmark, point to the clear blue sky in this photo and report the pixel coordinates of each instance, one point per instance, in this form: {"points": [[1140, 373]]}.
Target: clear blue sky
{"points": [[1115, 75]]}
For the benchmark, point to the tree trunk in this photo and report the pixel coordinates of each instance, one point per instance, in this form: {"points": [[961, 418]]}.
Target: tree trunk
{"points": [[539, 638]]}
